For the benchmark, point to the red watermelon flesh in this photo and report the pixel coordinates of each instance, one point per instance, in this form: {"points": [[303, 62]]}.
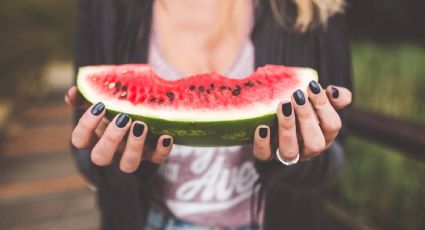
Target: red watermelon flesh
{"points": [[205, 98]]}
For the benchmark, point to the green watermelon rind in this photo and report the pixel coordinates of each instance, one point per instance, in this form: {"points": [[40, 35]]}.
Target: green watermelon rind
{"points": [[203, 133]]}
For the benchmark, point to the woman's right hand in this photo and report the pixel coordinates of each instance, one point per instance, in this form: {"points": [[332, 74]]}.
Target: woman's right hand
{"points": [[106, 138]]}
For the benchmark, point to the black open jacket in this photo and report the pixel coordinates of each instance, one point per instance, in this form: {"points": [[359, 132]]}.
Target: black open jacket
{"points": [[117, 31]]}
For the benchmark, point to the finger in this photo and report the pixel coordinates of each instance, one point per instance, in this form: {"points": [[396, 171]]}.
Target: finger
{"points": [[162, 150], [102, 127], [287, 130], [313, 139], [330, 122], [74, 99], [132, 155], [103, 152], [83, 133], [339, 97], [262, 149]]}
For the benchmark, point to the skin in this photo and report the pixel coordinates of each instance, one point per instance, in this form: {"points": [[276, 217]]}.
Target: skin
{"points": [[308, 131]]}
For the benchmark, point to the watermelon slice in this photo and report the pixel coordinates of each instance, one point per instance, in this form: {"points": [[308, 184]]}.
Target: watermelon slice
{"points": [[202, 110]]}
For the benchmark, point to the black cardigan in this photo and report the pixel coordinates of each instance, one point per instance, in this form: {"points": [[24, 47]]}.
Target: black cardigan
{"points": [[117, 31]]}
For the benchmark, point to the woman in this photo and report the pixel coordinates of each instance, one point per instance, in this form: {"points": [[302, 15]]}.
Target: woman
{"points": [[195, 188]]}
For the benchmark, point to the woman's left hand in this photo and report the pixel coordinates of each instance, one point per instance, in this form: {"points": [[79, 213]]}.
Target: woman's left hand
{"points": [[306, 127]]}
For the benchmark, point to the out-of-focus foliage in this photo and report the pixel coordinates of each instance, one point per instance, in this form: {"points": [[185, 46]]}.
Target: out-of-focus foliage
{"points": [[31, 32], [379, 185]]}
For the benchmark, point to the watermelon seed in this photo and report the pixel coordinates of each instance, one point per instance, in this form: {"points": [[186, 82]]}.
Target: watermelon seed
{"points": [[118, 85], [201, 88], [238, 87], [236, 92], [124, 88], [170, 95], [111, 85], [208, 91], [223, 87], [161, 101], [123, 95], [152, 99], [212, 86], [259, 82], [192, 87], [249, 84]]}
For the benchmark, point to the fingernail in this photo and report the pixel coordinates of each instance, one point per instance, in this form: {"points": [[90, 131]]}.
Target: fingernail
{"points": [[122, 120], [138, 129], [166, 142], [299, 97], [314, 87], [263, 132], [335, 92], [97, 109], [287, 109]]}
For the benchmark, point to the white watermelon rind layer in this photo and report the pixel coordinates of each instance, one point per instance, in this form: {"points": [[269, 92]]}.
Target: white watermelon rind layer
{"points": [[226, 128], [196, 115]]}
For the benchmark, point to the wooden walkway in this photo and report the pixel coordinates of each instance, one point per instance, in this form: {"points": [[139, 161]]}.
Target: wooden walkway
{"points": [[40, 187]]}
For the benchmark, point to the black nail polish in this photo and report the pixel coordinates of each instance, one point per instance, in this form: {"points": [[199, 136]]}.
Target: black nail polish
{"points": [[335, 92], [314, 87], [287, 109], [122, 120], [166, 142], [263, 132], [299, 97], [97, 109], [138, 129]]}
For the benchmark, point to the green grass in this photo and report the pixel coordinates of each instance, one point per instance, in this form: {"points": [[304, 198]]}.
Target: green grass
{"points": [[379, 185]]}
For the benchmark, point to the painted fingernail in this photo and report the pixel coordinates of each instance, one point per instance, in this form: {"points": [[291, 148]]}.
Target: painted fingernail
{"points": [[122, 120], [287, 109], [138, 129], [335, 92], [166, 142], [97, 109], [299, 97], [314, 87], [263, 132]]}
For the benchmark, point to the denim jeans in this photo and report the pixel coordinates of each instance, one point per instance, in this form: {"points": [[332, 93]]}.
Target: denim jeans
{"points": [[159, 221]]}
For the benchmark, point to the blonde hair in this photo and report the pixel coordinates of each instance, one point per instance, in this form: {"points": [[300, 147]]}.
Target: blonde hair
{"points": [[309, 12]]}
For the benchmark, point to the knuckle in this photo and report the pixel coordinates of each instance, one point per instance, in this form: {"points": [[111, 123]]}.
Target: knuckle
{"points": [[286, 124], [334, 126], [77, 141], [262, 153], [99, 160], [111, 137], [315, 148]]}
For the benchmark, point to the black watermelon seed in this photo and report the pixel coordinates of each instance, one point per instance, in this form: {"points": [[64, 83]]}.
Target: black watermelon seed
{"points": [[208, 91], [223, 87], [259, 82], [238, 87], [201, 88], [170, 95], [212, 86], [152, 99], [236, 92], [118, 85], [192, 87], [249, 84], [124, 88]]}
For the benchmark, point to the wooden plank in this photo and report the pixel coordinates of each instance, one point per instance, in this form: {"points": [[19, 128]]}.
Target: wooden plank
{"points": [[63, 210], [407, 136], [15, 190], [38, 140], [30, 168]]}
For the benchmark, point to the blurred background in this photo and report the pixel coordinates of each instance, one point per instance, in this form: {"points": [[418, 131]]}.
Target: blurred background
{"points": [[382, 185]]}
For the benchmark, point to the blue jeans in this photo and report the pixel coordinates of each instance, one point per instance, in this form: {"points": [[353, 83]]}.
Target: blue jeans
{"points": [[159, 221]]}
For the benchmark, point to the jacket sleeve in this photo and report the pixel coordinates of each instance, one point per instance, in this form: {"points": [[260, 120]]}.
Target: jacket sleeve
{"points": [[334, 55]]}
